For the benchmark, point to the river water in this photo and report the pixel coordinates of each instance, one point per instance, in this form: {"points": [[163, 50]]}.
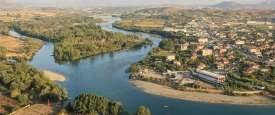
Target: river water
{"points": [[107, 75]]}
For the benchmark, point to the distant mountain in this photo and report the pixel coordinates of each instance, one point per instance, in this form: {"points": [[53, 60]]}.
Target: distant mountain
{"points": [[227, 5], [270, 4], [7, 3], [267, 4]]}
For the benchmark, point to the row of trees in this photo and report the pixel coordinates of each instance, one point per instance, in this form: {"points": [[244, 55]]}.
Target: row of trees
{"points": [[76, 36], [99, 105]]}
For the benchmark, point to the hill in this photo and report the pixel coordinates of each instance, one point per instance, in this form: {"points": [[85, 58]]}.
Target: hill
{"points": [[227, 5]]}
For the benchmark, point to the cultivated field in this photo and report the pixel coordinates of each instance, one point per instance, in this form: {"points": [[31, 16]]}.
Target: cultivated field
{"points": [[13, 45]]}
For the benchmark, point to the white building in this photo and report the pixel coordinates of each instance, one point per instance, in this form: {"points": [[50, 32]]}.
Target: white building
{"points": [[210, 77], [207, 52]]}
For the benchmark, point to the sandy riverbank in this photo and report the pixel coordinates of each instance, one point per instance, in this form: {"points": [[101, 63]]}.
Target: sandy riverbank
{"points": [[54, 76], [160, 90]]}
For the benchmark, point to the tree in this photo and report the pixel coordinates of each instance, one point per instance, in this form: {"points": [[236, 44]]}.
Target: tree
{"points": [[167, 45], [23, 100], [142, 110], [134, 68], [89, 103], [273, 72], [115, 108]]}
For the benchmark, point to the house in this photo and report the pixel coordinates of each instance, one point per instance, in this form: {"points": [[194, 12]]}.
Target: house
{"points": [[170, 57], [177, 63], [240, 42], [184, 46], [202, 40], [194, 55], [207, 52], [220, 66], [255, 50], [201, 66], [222, 50]]}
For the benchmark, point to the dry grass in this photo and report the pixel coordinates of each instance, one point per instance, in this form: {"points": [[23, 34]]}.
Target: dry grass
{"points": [[23, 14], [5, 101], [12, 44]]}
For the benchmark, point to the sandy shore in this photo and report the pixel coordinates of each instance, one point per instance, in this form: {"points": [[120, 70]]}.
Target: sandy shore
{"points": [[54, 76], [160, 90]]}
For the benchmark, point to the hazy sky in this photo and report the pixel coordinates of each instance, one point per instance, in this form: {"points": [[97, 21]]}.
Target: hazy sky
{"points": [[119, 2]]}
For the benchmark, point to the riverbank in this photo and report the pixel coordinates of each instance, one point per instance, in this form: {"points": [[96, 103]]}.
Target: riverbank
{"points": [[54, 76], [160, 90]]}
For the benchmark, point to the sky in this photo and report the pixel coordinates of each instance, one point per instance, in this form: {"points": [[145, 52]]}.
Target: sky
{"points": [[67, 3]]}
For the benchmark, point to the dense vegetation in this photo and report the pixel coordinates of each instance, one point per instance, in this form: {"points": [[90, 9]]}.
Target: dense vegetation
{"points": [[26, 84], [154, 30], [77, 36], [99, 105], [30, 47]]}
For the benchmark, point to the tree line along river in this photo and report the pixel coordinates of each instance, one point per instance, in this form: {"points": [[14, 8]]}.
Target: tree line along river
{"points": [[107, 75]]}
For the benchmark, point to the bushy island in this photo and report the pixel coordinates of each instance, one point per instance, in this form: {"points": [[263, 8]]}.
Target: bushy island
{"points": [[76, 36]]}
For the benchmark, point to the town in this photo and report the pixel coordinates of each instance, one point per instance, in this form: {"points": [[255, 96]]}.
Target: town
{"points": [[232, 52]]}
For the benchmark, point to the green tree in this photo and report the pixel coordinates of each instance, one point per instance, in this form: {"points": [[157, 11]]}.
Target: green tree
{"points": [[88, 103], [273, 72], [142, 110], [23, 100], [167, 44], [134, 68], [115, 108]]}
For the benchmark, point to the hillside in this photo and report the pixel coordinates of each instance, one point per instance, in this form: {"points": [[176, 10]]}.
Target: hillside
{"points": [[267, 4]]}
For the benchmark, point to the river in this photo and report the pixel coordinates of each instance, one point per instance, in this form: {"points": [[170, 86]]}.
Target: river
{"points": [[107, 75]]}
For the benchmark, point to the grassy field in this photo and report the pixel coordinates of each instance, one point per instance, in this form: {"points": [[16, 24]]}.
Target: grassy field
{"points": [[13, 45], [20, 48]]}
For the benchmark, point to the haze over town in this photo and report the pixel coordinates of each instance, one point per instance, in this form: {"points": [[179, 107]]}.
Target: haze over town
{"points": [[89, 3]]}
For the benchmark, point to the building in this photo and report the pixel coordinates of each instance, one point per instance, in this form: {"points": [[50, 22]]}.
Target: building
{"points": [[202, 40], [184, 46], [171, 57], [207, 52], [210, 77], [240, 42]]}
